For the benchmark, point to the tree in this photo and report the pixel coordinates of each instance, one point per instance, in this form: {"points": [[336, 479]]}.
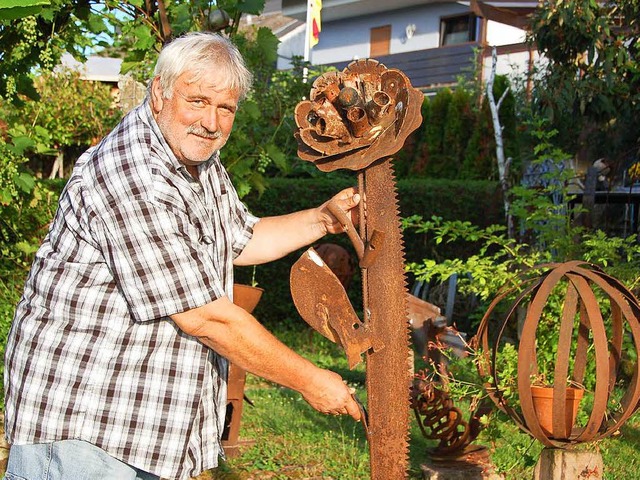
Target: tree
{"points": [[143, 26], [70, 112], [35, 34], [136, 30], [503, 162], [590, 87]]}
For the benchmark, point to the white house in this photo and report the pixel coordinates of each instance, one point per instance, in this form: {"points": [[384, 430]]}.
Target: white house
{"points": [[96, 68], [433, 42]]}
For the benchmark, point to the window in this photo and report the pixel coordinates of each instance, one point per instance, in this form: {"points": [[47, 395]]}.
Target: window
{"points": [[459, 29], [380, 41]]}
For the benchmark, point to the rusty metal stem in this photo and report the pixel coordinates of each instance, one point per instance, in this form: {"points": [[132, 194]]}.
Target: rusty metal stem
{"points": [[362, 227], [345, 220], [388, 374], [361, 205]]}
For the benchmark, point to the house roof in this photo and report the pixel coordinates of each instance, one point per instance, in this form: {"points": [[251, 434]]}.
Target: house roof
{"points": [[279, 24], [510, 12], [272, 18], [341, 9]]}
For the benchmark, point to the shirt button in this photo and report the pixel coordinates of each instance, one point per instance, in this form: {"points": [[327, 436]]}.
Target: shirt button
{"points": [[207, 239]]}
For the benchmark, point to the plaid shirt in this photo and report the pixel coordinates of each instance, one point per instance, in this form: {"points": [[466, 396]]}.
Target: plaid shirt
{"points": [[91, 354]]}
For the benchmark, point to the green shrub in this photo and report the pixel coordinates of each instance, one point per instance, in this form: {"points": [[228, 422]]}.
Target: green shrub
{"points": [[23, 224], [478, 202], [458, 123], [433, 162], [456, 140]]}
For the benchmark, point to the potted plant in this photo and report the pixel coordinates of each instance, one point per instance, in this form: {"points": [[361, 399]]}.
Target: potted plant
{"points": [[247, 296], [528, 393], [576, 328], [543, 399]]}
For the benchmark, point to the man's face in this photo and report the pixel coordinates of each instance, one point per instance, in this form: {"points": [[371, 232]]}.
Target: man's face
{"points": [[197, 120]]}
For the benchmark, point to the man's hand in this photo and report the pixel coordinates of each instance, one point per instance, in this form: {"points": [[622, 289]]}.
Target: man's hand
{"points": [[328, 394], [275, 237], [346, 200]]}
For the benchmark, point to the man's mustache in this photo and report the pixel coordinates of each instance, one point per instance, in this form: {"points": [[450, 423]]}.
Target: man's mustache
{"points": [[203, 132]]}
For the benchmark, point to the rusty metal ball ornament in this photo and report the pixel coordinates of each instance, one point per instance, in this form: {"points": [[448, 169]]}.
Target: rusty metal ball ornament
{"points": [[590, 335]]}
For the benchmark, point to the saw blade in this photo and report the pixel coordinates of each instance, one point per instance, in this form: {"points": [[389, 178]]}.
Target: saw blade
{"points": [[389, 369]]}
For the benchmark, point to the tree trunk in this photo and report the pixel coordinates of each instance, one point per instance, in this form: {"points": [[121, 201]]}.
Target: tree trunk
{"points": [[503, 164], [58, 166]]}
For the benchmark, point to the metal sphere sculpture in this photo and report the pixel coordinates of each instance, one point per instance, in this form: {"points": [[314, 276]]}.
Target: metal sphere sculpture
{"points": [[599, 320]]}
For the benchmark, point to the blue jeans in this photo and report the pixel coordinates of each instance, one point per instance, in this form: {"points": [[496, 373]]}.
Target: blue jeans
{"points": [[68, 460]]}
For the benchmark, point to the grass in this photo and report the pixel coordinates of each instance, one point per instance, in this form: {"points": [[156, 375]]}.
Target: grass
{"points": [[292, 441], [301, 444]]}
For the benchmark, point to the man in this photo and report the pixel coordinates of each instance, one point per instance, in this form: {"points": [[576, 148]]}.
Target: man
{"points": [[116, 360]]}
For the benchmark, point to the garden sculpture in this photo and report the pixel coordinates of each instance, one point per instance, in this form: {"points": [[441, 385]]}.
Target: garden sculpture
{"points": [[439, 419], [436, 413], [356, 119], [597, 329]]}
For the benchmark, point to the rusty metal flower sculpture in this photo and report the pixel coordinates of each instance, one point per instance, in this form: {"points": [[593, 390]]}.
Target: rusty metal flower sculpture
{"points": [[356, 119], [598, 322], [357, 116]]}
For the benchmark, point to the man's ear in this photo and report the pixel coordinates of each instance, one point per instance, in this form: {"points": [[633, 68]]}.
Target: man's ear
{"points": [[157, 100]]}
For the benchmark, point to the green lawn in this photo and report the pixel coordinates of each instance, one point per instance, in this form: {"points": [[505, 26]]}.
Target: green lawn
{"points": [[292, 441]]}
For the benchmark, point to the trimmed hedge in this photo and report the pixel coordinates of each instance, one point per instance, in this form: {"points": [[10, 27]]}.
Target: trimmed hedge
{"points": [[479, 202]]}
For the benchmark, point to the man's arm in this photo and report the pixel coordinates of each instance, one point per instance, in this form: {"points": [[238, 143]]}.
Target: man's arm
{"points": [[275, 237], [238, 336]]}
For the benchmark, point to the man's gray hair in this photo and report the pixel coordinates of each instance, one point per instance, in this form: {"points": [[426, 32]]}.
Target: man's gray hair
{"points": [[195, 52]]}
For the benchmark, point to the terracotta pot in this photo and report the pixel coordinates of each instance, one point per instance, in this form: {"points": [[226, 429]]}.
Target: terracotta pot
{"points": [[543, 405], [246, 296]]}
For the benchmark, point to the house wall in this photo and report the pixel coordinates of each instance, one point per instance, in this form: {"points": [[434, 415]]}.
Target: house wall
{"points": [[291, 44], [513, 61], [345, 40], [513, 65], [514, 58], [501, 34]]}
